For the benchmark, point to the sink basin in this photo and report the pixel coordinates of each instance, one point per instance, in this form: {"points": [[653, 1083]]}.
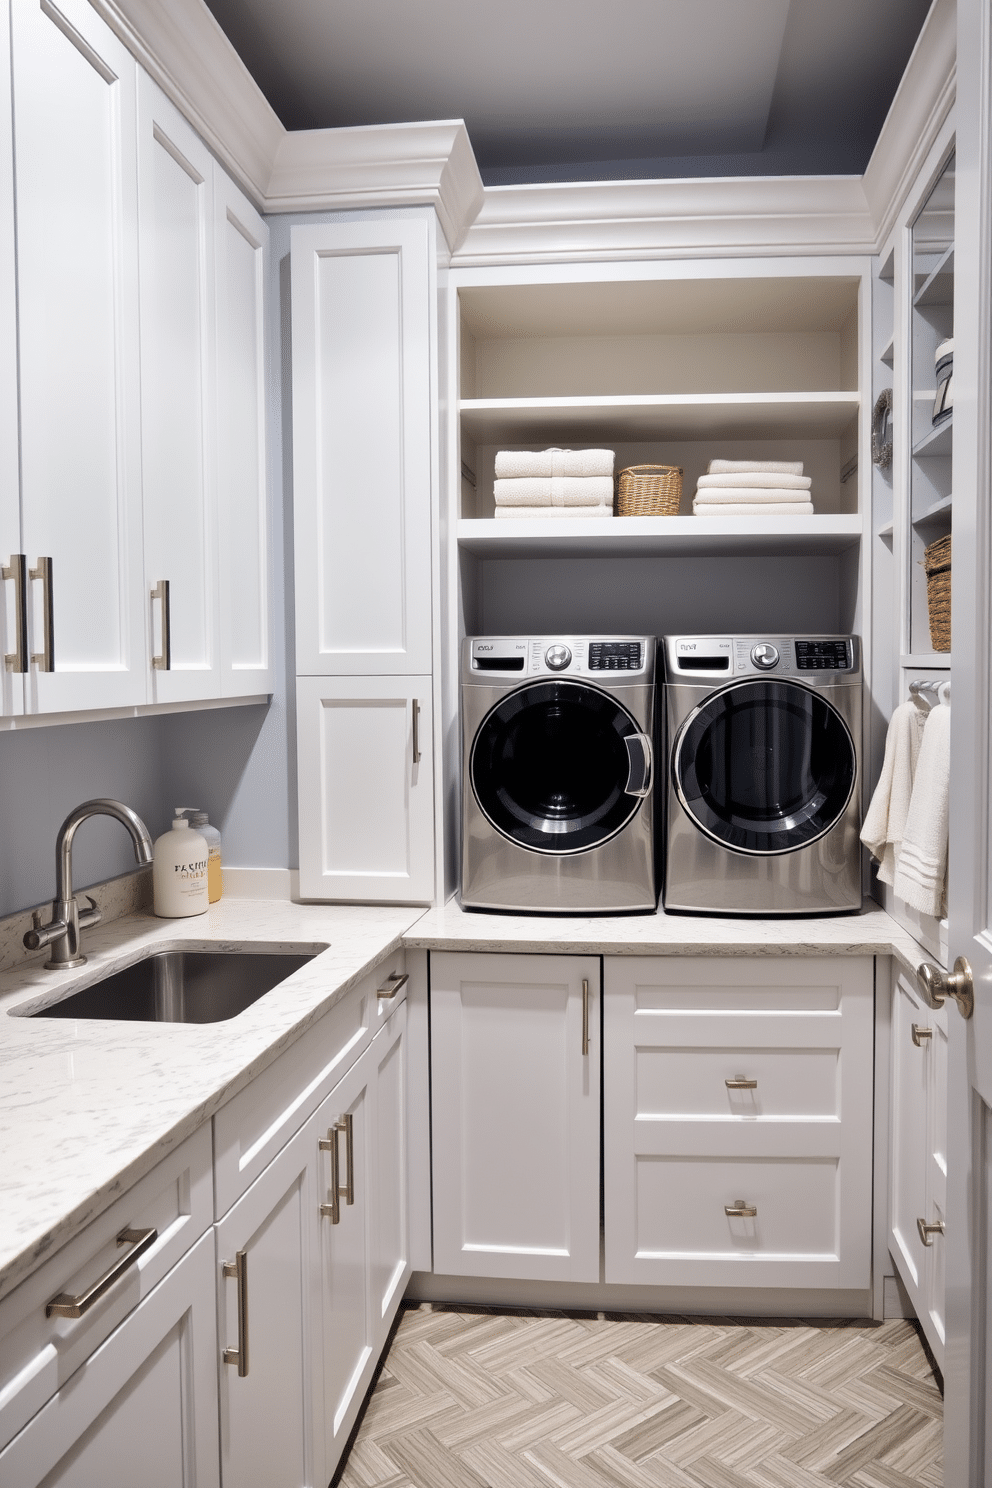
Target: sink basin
{"points": [[181, 987]]}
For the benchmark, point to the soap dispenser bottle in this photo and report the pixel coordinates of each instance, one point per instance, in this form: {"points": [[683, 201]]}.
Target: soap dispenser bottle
{"points": [[179, 871], [200, 822]]}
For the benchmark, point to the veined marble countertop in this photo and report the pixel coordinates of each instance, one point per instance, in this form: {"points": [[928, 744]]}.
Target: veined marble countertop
{"points": [[87, 1108]]}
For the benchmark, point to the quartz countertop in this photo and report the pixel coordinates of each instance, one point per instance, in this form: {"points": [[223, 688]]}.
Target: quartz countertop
{"points": [[87, 1107]]}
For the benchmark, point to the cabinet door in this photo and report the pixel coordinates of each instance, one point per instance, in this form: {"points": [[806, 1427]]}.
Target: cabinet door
{"points": [[391, 1236], [515, 1043], [270, 1416], [75, 145], [175, 200], [363, 402], [143, 1408], [11, 627], [366, 788], [241, 248]]}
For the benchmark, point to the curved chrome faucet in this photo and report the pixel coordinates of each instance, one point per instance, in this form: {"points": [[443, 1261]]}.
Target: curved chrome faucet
{"points": [[62, 933]]}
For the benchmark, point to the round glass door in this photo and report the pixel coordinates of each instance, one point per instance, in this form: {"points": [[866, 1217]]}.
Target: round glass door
{"points": [[765, 767], [549, 767]]}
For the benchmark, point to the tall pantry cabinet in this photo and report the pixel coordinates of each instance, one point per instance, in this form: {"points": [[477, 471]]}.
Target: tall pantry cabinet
{"points": [[364, 406]]}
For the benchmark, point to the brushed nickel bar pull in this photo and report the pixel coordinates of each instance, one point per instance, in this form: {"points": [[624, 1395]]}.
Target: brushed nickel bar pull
{"points": [[238, 1270], [65, 1305], [416, 731], [741, 1084], [332, 1209], [585, 1015], [926, 1230], [17, 569], [346, 1125], [740, 1210], [163, 661], [392, 984], [919, 1035], [45, 658]]}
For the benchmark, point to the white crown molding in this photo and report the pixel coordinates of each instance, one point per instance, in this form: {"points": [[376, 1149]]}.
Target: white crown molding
{"points": [[382, 165], [923, 100], [593, 221]]}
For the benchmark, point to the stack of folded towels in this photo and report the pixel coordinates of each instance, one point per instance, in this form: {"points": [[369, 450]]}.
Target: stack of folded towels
{"points": [[753, 488], [554, 483]]}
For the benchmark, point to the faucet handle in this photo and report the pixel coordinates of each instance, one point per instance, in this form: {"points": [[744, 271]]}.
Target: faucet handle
{"points": [[40, 935], [91, 916]]}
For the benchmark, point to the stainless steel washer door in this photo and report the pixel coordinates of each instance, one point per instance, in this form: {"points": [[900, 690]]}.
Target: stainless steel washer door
{"points": [[554, 767], [764, 767]]}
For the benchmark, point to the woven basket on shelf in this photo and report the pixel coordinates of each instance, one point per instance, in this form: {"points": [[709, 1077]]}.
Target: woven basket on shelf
{"points": [[937, 566], [650, 491]]}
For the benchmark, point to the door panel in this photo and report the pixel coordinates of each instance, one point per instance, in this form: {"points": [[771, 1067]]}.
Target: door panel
{"points": [[11, 682]]}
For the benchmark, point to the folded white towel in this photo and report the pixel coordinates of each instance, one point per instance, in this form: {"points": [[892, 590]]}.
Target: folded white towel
{"points": [[516, 464], [921, 866], [885, 820], [514, 512], [741, 467], [749, 494], [759, 479], [753, 508], [558, 490]]}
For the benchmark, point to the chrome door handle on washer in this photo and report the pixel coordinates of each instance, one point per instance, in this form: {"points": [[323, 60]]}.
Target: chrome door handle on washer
{"points": [[641, 758]]}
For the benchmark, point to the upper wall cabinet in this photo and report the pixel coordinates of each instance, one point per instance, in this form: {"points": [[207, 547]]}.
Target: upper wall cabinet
{"points": [[362, 411]]}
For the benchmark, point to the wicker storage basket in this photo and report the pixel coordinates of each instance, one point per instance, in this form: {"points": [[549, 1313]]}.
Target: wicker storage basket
{"points": [[650, 491], [937, 566]]}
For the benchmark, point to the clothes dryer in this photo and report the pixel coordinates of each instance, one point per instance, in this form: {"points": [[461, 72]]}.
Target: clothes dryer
{"points": [[558, 751], [764, 771]]}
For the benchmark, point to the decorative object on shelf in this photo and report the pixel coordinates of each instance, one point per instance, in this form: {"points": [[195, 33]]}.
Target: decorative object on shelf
{"points": [[650, 491], [881, 430], [943, 403], [753, 488], [937, 566]]}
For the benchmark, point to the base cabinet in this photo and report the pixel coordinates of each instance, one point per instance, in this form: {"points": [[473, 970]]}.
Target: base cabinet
{"points": [[917, 1148]]}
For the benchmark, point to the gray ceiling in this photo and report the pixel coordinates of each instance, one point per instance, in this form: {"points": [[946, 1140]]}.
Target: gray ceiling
{"points": [[563, 90]]}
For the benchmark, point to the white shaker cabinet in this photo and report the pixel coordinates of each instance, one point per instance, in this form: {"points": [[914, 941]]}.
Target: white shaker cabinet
{"points": [[515, 1082], [13, 619], [80, 402], [366, 788]]}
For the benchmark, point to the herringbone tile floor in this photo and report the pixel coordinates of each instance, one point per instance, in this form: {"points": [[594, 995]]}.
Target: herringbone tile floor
{"points": [[474, 1399]]}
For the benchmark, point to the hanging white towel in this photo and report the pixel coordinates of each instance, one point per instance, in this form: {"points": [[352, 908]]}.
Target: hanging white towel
{"points": [[885, 820], [543, 464], [763, 479], [921, 866], [561, 490], [737, 467]]}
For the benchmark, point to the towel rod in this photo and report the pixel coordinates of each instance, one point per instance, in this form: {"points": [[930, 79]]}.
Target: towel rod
{"points": [[931, 690]]}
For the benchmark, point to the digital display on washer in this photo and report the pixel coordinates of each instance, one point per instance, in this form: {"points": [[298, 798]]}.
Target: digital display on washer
{"points": [[823, 656], [615, 656]]}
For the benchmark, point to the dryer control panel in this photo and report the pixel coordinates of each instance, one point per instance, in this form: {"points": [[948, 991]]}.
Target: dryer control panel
{"points": [[561, 656], [706, 657]]}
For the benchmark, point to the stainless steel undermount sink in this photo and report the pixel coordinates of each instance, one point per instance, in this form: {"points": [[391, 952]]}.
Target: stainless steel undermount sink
{"points": [[181, 987]]}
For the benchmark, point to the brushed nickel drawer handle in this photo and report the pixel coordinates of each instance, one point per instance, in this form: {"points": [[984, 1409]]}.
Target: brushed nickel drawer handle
{"points": [[740, 1210], [926, 1230], [17, 569], [45, 658], [346, 1125], [392, 984], [332, 1209], [585, 1016], [741, 1084], [919, 1034], [65, 1305], [163, 661], [238, 1270], [416, 731]]}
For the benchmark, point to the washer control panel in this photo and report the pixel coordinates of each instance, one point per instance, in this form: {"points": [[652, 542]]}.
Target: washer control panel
{"points": [[588, 656], [765, 655], [711, 657], [823, 656]]}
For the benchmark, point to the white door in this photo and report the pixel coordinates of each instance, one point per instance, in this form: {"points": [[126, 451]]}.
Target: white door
{"points": [[515, 1069], [270, 1410], [143, 1407], [75, 146], [968, 1375], [178, 472], [13, 618], [363, 405], [366, 788], [391, 1228], [241, 249]]}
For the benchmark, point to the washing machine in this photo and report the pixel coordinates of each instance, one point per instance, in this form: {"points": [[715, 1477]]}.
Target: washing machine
{"points": [[558, 774], [763, 753]]}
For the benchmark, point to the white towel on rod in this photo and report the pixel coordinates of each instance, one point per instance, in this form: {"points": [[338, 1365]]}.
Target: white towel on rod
{"points": [[558, 490], [543, 464], [771, 467], [921, 866], [885, 819], [763, 479]]}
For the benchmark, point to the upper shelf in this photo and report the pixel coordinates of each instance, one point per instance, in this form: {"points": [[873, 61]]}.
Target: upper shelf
{"points": [[597, 537], [937, 287], [655, 416]]}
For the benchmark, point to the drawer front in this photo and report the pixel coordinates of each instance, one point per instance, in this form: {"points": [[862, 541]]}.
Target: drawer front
{"points": [[750, 1084], [39, 1353], [259, 1121]]}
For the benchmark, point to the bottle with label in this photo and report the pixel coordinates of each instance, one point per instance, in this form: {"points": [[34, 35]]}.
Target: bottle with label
{"points": [[179, 871], [200, 822]]}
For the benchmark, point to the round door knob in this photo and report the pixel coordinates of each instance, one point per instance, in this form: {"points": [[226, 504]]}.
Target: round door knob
{"points": [[557, 657], [937, 985], [765, 655]]}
